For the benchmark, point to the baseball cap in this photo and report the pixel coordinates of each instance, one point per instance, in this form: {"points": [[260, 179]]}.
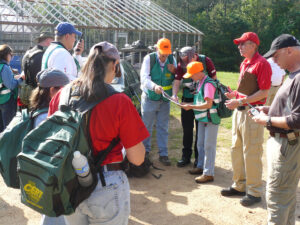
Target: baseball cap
{"points": [[66, 28], [52, 78], [248, 36], [192, 68], [187, 51], [164, 46], [43, 36], [108, 49], [282, 41]]}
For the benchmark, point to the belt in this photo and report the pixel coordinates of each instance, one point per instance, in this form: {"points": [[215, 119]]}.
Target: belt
{"points": [[112, 167], [243, 107], [273, 134]]}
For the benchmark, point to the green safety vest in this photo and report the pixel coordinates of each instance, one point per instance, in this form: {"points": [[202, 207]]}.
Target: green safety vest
{"points": [[5, 92], [47, 55], [202, 114], [186, 83], [163, 78]]}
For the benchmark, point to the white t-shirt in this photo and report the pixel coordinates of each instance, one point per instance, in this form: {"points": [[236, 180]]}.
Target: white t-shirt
{"points": [[277, 73], [62, 59]]}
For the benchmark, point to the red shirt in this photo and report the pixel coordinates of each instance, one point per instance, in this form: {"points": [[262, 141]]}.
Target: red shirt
{"points": [[114, 117], [211, 70], [260, 67]]}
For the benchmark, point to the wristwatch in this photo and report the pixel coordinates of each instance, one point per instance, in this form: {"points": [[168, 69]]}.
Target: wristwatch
{"points": [[269, 123]]}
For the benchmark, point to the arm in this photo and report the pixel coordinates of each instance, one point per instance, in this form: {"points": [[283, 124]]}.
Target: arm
{"points": [[8, 78], [175, 89], [279, 122], [136, 154], [211, 70], [146, 82], [206, 105]]}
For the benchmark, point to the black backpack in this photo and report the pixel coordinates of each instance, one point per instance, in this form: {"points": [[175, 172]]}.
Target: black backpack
{"points": [[223, 111]]}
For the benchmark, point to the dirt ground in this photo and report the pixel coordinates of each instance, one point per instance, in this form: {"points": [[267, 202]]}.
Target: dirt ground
{"points": [[173, 199]]}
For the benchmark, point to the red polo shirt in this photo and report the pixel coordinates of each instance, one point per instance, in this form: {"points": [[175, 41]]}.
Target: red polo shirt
{"points": [[116, 116], [260, 67]]}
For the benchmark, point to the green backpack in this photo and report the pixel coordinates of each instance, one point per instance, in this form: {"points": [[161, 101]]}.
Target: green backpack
{"points": [[11, 144], [48, 182]]}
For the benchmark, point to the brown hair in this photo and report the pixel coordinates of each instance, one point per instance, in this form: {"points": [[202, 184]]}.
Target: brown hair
{"points": [[4, 51], [91, 82], [40, 98]]}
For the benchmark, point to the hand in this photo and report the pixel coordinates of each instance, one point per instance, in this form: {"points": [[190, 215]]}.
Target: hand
{"points": [[186, 106], [232, 104], [158, 89], [80, 46], [229, 95], [264, 109], [171, 68], [261, 119], [175, 98]]}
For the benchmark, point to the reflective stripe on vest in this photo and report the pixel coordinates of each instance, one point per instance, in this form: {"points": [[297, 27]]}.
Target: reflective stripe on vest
{"points": [[204, 114], [165, 88], [187, 84], [6, 91]]}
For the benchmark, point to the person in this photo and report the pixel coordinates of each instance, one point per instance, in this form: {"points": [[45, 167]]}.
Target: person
{"points": [[57, 54], [186, 55], [31, 65], [208, 121], [247, 136], [112, 117], [276, 80], [282, 119], [32, 60], [49, 82], [8, 87], [155, 81]]}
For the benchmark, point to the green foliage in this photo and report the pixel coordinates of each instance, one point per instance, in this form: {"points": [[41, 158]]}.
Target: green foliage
{"points": [[224, 20]]}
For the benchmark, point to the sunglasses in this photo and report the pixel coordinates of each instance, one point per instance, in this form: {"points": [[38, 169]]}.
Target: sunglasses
{"points": [[182, 54]]}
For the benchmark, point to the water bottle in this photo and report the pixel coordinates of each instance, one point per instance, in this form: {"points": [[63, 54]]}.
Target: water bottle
{"points": [[82, 169]]}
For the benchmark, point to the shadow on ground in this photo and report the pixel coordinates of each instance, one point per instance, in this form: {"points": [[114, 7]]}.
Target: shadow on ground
{"points": [[8, 214]]}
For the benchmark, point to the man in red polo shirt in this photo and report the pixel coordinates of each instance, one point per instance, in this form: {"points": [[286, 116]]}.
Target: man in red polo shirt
{"points": [[247, 136]]}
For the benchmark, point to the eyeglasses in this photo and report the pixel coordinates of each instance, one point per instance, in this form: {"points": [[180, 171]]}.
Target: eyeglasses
{"points": [[183, 54]]}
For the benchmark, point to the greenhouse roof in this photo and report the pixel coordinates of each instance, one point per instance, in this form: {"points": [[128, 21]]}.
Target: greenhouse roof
{"points": [[137, 15]]}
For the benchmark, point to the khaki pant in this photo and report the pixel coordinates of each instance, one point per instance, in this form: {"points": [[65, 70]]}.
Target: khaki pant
{"points": [[283, 176], [246, 153], [271, 94]]}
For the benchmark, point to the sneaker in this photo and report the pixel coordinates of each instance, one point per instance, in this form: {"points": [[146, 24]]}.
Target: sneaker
{"points": [[232, 192], [165, 160], [183, 162], [249, 200], [204, 179], [197, 171]]}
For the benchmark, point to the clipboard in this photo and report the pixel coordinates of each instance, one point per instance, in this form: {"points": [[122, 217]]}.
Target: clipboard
{"points": [[248, 84]]}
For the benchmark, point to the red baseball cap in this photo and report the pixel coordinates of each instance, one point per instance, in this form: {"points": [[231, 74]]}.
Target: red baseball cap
{"points": [[248, 36]]}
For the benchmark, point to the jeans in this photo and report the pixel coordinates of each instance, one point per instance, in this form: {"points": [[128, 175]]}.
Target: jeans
{"points": [[46, 220], [8, 111], [158, 111], [109, 205], [207, 143]]}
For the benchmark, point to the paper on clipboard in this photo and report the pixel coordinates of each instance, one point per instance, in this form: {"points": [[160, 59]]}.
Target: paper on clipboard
{"points": [[164, 94]]}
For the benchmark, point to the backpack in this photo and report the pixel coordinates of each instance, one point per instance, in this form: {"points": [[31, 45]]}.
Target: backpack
{"points": [[222, 110], [11, 144], [31, 66], [48, 182]]}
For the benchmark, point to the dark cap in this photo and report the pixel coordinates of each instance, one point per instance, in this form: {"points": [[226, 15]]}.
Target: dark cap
{"points": [[43, 36], [248, 36], [282, 41], [108, 49], [51, 78], [66, 28]]}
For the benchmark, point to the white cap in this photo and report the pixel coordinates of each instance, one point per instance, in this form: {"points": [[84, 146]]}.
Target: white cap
{"points": [[77, 154]]}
